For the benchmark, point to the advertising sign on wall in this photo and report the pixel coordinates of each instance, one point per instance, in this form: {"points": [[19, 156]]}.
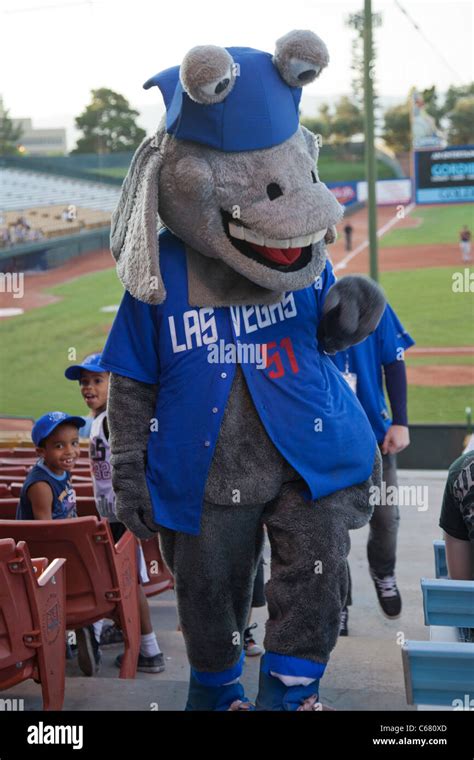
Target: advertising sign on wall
{"points": [[445, 176]]}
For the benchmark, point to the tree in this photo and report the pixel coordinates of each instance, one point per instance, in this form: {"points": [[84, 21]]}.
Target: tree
{"points": [[348, 120], [108, 124], [356, 21], [320, 124], [397, 128], [461, 118], [456, 93], [10, 135]]}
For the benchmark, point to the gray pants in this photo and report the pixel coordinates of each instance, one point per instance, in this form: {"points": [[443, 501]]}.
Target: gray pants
{"points": [[214, 573], [383, 530], [382, 543]]}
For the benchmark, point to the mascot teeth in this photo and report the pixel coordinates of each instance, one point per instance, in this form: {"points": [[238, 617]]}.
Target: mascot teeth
{"points": [[243, 233]]}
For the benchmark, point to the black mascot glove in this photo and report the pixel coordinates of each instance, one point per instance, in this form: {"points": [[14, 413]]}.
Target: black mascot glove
{"points": [[352, 310]]}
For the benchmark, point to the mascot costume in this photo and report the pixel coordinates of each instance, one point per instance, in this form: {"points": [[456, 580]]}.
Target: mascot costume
{"points": [[226, 413]]}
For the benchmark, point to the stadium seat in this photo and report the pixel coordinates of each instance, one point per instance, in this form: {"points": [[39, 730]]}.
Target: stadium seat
{"points": [[86, 506], [448, 603], [101, 577], [441, 567], [437, 673], [32, 622], [159, 575], [15, 473], [5, 490], [8, 509]]}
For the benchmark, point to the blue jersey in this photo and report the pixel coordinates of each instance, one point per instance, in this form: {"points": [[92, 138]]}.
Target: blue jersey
{"points": [[63, 494], [384, 346], [306, 407]]}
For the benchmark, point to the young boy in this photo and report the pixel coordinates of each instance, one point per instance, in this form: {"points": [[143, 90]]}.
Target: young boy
{"points": [[94, 386], [47, 493]]}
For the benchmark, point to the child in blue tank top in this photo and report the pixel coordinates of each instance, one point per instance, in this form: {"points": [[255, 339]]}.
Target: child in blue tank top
{"points": [[47, 493]]}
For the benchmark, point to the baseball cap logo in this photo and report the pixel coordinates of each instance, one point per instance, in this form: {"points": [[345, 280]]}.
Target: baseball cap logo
{"points": [[55, 416]]}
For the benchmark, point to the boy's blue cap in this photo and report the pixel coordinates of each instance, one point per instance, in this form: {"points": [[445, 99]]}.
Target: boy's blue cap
{"points": [[91, 363], [260, 111], [45, 425]]}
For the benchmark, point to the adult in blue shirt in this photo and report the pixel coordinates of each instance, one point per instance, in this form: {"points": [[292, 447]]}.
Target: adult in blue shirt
{"points": [[363, 366]]}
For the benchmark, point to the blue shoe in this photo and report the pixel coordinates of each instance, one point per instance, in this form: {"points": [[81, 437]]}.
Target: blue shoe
{"points": [[273, 695], [216, 698]]}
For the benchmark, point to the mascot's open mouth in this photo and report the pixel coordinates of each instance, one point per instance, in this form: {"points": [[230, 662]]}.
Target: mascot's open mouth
{"points": [[287, 255]]}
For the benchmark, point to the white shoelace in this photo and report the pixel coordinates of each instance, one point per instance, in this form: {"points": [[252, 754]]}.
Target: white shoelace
{"points": [[387, 585]]}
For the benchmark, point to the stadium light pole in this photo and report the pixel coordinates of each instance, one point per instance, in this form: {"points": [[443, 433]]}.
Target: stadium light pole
{"points": [[370, 163]]}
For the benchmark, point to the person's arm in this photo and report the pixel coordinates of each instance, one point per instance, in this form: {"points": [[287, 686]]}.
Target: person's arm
{"points": [[397, 437], [458, 558], [41, 498]]}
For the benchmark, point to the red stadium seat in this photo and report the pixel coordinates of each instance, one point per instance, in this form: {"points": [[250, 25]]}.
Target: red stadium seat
{"points": [[160, 577], [16, 473], [32, 622], [5, 490], [86, 506], [101, 577], [8, 509]]}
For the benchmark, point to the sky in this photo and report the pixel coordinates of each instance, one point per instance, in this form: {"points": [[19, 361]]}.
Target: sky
{"points": [[53, 52]]}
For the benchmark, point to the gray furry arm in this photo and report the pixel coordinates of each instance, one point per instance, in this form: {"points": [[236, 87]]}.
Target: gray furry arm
{"points": [[130, 408], [352, 310]]}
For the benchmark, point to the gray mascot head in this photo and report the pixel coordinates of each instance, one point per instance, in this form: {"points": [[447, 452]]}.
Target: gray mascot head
{"points": [[231, 173]]}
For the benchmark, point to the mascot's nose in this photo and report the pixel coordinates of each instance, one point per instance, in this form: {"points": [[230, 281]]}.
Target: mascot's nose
{"points": [[274, 191]]}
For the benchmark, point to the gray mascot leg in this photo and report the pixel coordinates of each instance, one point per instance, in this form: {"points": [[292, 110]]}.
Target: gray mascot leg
{"points": [[308, 587], [214, 574]]}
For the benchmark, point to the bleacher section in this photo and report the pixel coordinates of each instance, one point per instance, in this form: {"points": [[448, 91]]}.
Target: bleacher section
{"points": [[53, 221], [25, 189]]}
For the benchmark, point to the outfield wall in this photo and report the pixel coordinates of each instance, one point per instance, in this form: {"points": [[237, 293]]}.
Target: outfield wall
{"points": [[47, 254]]}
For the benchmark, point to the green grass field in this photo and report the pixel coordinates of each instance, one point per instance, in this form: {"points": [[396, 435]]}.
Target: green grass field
{"points": [[439, 224], [330, 170], [35, 347], [434, 316]]}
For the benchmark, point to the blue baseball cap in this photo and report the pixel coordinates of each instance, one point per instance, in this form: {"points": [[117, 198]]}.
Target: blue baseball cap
{"points": [[259, 112], [45, 425], [91, 363]]}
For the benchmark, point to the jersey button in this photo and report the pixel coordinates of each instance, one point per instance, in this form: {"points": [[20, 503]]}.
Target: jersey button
{"points": [[215, 409], [223, 375], [207, 443]]}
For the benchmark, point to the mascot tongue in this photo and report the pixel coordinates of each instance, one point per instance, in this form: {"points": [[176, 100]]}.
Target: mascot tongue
{"points": [[284, 256]]}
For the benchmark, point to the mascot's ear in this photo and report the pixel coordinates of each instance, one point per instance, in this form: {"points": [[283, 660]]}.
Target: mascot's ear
{"points": [[207, 74], [311, 142], [134, 236], [300, 56]]}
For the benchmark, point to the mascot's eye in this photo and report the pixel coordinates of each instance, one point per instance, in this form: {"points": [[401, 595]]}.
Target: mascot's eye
{"points": [[274, 191], [314, 177], [221, 86]]}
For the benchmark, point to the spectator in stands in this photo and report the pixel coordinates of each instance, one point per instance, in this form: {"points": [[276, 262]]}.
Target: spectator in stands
{"points": [[465, 243], [348, 230], [457, 522], [94, 386], [362, 367], [47, 493]]}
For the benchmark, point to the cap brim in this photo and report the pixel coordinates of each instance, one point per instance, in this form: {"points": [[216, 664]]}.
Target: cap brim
{"points": [[74, 372], [73, 419]]}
